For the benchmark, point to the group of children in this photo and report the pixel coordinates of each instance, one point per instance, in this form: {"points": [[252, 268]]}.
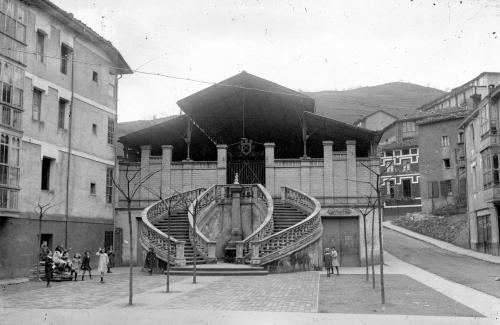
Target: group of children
{"points": [[59, 261]]}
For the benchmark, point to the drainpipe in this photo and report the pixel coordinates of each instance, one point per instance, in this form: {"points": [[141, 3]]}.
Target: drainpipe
{"points": [[70, 124], [117, 168]]}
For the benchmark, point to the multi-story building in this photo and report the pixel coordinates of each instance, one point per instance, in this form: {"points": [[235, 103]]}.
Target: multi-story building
{"points": [[482, 144], [442, 162], [59, 84], [376, 121], [399, 157]]}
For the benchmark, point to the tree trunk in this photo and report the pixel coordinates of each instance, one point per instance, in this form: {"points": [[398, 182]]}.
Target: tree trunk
{"points": [[194, 248], [168, 248], [381, 245], [372, 248], [366, 248], [39, 240], [130, 289]]}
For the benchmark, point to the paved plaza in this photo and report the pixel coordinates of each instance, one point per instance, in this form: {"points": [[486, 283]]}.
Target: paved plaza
{"points": [[423, 285]]}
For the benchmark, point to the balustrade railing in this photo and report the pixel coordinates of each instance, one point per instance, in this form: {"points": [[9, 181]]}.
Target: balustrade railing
{"points": [[293, 238], [150, 236], [265, 229]]}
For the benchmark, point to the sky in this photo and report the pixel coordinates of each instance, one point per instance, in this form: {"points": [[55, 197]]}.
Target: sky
{"points": [[309, 45]]}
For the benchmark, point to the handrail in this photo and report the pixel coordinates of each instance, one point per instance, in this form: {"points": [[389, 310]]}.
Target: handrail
{"points": [[152, 236], [293, 238], [267, 226]]}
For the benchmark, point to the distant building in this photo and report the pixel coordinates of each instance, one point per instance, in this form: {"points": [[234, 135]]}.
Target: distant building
{"points": [[51, 108], [376, 121], [442, 162], [399, 158]]}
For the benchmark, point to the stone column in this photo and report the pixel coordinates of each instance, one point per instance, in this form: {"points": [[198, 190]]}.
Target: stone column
{"points": [[305, 175], [221, 164], [269, 163], [352, 186], [473, 229], [180, 259], [236, 233], [494, 224], [328, 172], [145, 170], [166, 174]]}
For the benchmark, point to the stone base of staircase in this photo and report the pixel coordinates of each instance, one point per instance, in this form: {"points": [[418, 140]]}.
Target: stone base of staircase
{"points": [[220, 269]]}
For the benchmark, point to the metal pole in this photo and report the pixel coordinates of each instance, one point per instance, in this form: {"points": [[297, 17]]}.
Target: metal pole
{"points": [[70, 124]]}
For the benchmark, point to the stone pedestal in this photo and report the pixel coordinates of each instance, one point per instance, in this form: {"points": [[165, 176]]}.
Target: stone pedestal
{"points": [[236, 232]]}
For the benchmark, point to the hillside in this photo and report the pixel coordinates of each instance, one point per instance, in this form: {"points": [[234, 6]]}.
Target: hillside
{"points": [[397, 98], [132, 126]]}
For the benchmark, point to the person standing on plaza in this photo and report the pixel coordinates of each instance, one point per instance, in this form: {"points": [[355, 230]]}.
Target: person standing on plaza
{"points": [[103, 263], [86, 265], [111, 258], [327, 259], [48, 267], [335, 260], [76, 264], [150, 260]]}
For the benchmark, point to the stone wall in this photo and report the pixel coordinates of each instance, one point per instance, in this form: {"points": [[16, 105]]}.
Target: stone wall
{"points": [[309, 258]]}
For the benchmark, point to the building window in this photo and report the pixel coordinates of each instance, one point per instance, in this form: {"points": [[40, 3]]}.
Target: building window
{"points": [[405, 151], [37, 104], [472, 132], [433, 189], [46, 166], [61, 116], [109, 185], [460, 137], [92, 188], [95, 76], [491, 172], [406, 187], [389, 167], [409, 127], [445, 142], [414, 151], [9, 171], [94, 129], [65, 53], [111, 84], [406, 165], [446, 188], [391, 193], [397, 153], [446, 163], [12, 21], [111, 130], [40, 46]]}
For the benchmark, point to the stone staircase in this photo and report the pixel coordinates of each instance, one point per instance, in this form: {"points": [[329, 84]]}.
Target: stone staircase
{"points": [[285, 215], [220, 269], [179, 229]]}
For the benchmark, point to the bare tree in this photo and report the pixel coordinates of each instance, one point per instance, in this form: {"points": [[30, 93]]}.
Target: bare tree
{"points": [[184, 200], [133, 182], [41, 208], [377, 187], [170, 205], [365, 211]]}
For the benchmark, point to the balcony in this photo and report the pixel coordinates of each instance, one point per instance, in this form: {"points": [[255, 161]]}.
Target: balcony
{"points": [[492, 194], [489, 140]]}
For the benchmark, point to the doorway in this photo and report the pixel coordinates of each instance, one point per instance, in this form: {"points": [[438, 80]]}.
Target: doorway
{"points": [[343, 234], [246, 158]]}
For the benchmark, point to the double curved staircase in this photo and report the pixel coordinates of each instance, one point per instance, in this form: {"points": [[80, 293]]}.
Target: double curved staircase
{"points": [[289, 225]]}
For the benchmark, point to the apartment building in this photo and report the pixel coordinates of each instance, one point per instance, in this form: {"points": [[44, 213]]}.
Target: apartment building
{"points": [[57, 143]]}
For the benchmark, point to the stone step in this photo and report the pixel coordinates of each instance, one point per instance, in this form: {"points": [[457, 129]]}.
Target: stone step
{"points": [[217, 272]]}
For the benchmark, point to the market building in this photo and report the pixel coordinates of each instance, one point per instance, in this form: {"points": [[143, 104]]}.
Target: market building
{"points": [[282, 181], [57, 129]]}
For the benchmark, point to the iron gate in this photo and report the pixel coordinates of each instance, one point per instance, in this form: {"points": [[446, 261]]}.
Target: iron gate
{"points": [[249, 171]]}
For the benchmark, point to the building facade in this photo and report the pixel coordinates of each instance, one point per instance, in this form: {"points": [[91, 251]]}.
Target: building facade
{"points": [[269, 135], [57, 133], [376, 121], [399, 162], [483, 186], [442, 163]]}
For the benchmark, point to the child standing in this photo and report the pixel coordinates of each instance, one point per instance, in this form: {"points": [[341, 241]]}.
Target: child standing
{"points": [[77, 264], [103, 263], [86, 265]]}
